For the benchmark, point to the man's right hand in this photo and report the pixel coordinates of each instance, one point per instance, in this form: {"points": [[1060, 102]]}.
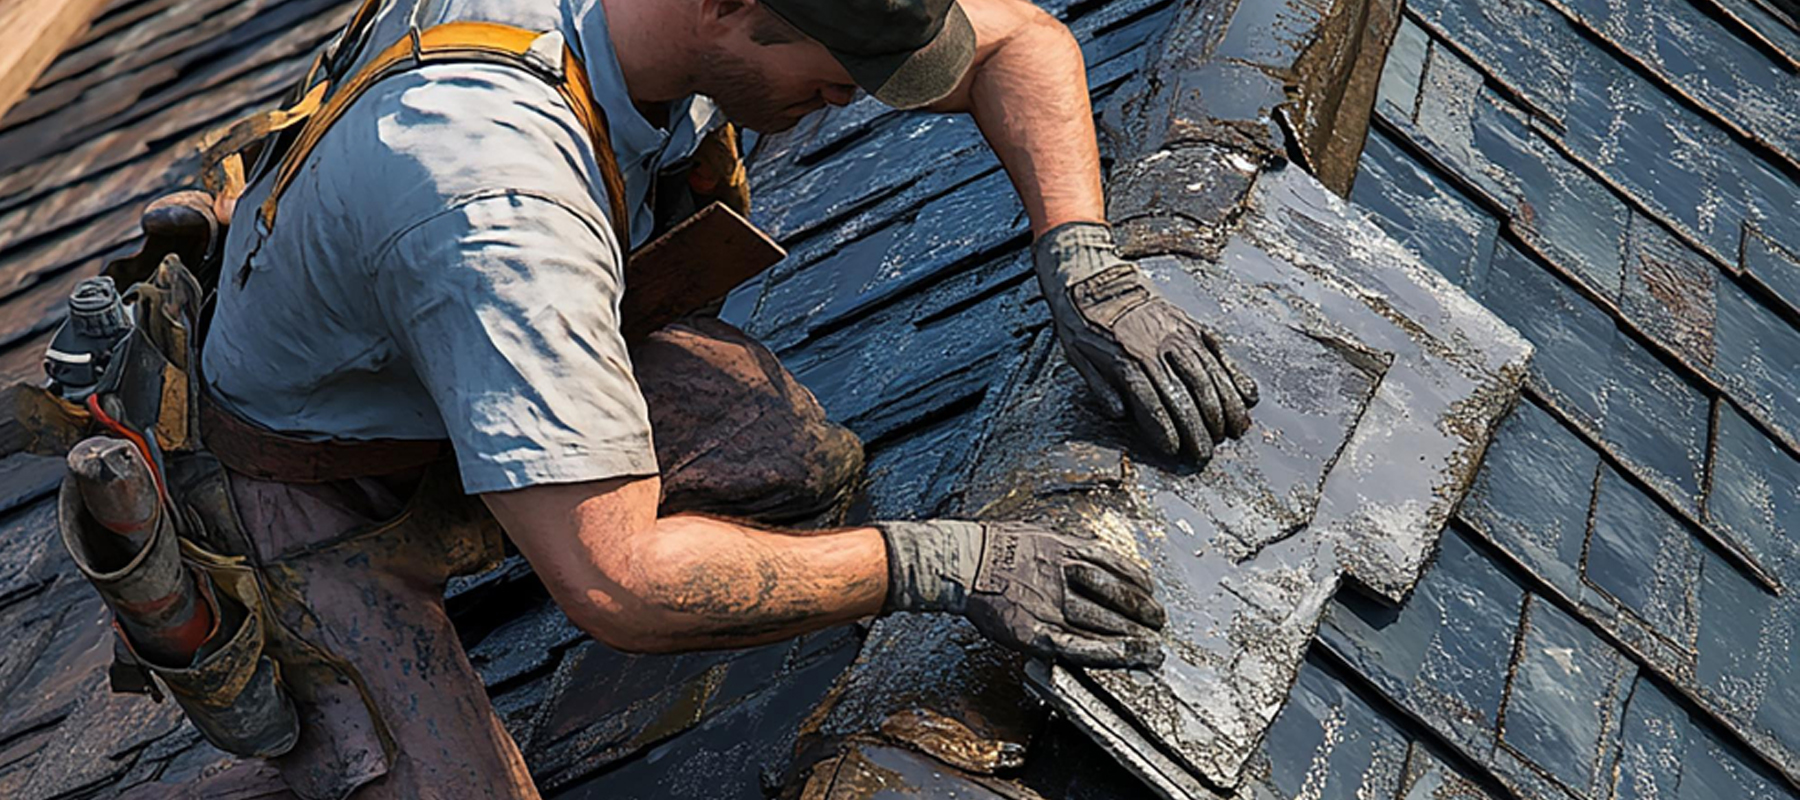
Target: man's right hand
{"points": [[1048, 593]]}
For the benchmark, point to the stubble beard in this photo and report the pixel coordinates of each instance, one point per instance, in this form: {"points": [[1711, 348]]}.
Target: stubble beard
{"points": [[742, 95]]}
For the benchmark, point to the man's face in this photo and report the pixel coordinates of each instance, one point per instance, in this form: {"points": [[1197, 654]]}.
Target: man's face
{"points": [[769, 87]]}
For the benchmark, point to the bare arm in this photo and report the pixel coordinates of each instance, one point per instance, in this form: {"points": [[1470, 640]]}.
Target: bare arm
{"points": [[1028, 93], [686, 582]]}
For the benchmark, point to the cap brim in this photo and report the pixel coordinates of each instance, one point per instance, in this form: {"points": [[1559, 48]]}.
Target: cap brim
{"points": [[920, 77]]}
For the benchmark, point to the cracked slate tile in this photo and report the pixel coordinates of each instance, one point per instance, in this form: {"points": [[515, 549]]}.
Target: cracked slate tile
{"points": [[1563, 700]]}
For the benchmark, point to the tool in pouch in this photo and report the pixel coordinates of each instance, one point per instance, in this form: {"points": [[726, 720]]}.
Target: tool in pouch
{"points": [[182, 610], [147, 510]]}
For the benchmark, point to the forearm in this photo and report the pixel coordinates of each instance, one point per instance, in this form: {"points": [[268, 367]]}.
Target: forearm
{"points": [[685, 582], [714, 583], [1029, 96]]}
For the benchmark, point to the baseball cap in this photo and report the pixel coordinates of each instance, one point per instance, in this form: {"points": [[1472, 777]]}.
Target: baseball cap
{"points": [[907, 53]]}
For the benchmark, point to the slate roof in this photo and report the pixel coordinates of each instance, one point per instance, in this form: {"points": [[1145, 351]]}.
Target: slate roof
{"points": [[1609, 615]]}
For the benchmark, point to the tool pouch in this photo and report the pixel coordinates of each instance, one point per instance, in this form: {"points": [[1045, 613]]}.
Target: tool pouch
{"points": [[231, 690]]}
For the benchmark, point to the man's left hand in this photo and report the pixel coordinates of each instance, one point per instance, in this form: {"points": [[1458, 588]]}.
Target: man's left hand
{"points": [[1139, 352]]}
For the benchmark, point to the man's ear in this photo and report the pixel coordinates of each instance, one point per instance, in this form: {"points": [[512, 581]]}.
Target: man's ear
{"points": [[717, 16]]}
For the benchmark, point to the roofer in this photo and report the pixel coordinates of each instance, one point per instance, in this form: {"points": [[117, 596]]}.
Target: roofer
{"points": [[432, 249]]}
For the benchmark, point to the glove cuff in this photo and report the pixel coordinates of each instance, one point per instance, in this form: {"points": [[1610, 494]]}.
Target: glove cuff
{"points": [[1073, 252], [931, 564]]}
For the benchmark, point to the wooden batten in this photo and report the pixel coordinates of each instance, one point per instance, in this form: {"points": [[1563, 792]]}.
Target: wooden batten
{"points": [[37, 31]]}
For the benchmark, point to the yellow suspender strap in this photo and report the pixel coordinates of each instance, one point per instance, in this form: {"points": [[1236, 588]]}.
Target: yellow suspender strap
{"points": [[464, 42]]}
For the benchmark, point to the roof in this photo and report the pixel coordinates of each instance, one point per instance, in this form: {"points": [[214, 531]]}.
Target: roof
{"points": [[1607, 613]]}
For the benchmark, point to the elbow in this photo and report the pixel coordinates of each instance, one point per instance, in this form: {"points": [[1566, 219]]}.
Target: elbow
{"points": [[623, 604]]}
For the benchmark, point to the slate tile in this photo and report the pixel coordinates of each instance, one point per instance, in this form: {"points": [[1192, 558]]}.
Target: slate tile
{"points": [[1755, 495], [893, 157], [1652, 742], [1574, 338], [1778, 715], [1775, 265], [1448, 231], [1430, 777], [1448, 97], [1669, 291], [1683, 166], [1564, 697], [54, 682], [1328, 742], [1574, 217], [1759, 357], [1656, 420], [1740, 635], [523, 644], [1697, 53], [30, 556], [1645, 558], [1398, 92], [1527, 42], [730, 755], [1715, 770], [1533, 495], [1444, 654]]}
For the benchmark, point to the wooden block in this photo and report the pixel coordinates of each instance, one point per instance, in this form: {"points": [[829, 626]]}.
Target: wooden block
{"points": [[36, 32], [695, 264]]}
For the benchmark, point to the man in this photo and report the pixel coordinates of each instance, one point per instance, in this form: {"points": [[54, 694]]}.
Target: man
{"points": [[446, 266]]}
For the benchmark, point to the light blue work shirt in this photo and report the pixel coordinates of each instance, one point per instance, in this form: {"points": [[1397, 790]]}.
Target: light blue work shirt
{"points": [[443, 266]]}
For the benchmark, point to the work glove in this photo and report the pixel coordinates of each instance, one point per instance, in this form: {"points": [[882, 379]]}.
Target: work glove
{"points": [[1139, 352], [1049, 594]]}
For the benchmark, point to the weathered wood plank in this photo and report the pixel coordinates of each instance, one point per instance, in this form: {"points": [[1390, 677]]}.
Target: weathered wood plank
{"points": [[120, 145], [288, 30], [36, 31]]}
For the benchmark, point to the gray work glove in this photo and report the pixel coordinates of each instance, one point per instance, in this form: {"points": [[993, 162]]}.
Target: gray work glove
{"points": [[1139, 352], [1050, 594]]}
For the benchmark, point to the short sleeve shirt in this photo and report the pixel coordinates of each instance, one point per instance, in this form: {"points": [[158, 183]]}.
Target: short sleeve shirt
{"points": [[443, 267]]}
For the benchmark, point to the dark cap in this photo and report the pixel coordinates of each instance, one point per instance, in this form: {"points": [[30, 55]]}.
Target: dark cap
{"points": [[907, 53]]}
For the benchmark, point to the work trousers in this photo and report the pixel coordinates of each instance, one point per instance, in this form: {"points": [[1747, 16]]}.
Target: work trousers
{"points": [[735, 435]]}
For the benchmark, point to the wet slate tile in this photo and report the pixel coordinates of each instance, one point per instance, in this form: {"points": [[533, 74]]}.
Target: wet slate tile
{"points": [[1645, 558], [1573, 337], [1328, 742], [1574, 217], [1430, 777], [730, 755], [1533, 495], [1776, 266], [1525, 41], [1444, 653], [1755, 497], [526, 643], [1448, 95], [950, 233], [1448, 231], [1398, 92], [1716, 770], [1687, 169], [1778, 715], [1656, 421], [1763, 21], [1563, 701], [1669, 291], [1701, 56], [1741, 634], [1652, 742], [883, 374], [1759, 357]]}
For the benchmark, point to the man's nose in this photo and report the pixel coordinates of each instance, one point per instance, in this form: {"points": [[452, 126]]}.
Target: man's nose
{"points": [[839, 94]]}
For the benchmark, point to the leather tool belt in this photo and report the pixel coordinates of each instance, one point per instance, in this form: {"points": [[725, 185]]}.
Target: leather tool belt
{"points": [[267, 645]]}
